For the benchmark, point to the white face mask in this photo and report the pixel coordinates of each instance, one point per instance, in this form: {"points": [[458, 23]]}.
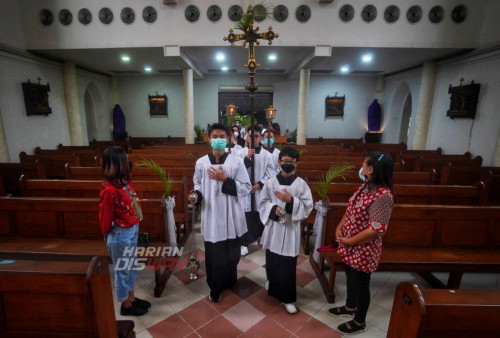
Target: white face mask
{"points": [[236, 134], [361, 176]]}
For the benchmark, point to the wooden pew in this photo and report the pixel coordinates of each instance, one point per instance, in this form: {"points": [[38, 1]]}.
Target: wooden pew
{"points": [[11, 172], [333, 141], [62, 227], [444, 313], [90, 189], [105, 144], [399, 177], [46, 298], [54, 164], [425, 239], [403, 193], [88, 156]]}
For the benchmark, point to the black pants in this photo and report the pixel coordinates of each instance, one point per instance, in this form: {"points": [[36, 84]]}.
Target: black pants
{"points": [[221, 259], [358, 292], [255, 228], [281, 273]]}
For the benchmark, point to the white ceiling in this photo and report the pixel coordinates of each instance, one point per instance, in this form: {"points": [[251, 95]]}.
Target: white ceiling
{"points": [[289, 59]]}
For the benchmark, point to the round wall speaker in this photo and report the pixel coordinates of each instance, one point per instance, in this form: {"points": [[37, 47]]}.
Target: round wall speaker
{"points": [[149, 14], [84, 16], [65, 17], [128, 15], [436, 14], [192, 13], [105, 15], [45, 16], [214, 13], [303, 13], [414, 14], [369, 13], [346, 13], [280, 13], [459, 14], [234, 13], [391, 14]]}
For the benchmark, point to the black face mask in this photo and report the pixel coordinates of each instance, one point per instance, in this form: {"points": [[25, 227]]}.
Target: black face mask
{"points": [[287, 167]]}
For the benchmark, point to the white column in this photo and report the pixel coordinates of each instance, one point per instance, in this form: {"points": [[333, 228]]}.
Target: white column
{"points": [[188, 105], [424, 107], [495, 162], [4, 152], [380, 90], [72, 104], [302, 113]]}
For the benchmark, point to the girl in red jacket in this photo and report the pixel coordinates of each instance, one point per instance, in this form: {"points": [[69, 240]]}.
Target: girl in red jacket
{"points": [[119, 216]]}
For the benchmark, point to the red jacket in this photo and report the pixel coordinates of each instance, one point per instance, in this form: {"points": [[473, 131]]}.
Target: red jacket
{"points": [[116, 206]]}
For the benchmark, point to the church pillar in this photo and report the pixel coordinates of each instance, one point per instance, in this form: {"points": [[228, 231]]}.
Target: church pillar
{"points": [[424, 107], [495, 162], [302, 114], [380, 90], [72, 104], [188, 105], [4, 153]]}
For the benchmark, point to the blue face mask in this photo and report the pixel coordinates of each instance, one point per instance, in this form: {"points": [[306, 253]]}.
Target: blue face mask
{"points": [[218, 144], [265, 142], [361, 176]]}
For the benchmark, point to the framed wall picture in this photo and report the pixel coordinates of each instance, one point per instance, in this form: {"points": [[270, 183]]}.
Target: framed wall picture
{"points": [[334, 106], [158, 105], [36, 98], [463, 100]]}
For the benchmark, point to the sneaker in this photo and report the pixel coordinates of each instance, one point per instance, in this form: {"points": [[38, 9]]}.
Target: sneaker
{"points": [[341, 311], [214, 297], [141, 303], [254, 243], [244, 251], [290, 308], [267, 285], [351, 327], [132, 311]]}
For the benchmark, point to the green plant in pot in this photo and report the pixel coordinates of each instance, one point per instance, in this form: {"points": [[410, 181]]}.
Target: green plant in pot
{"points": [[199, 133], [169, 203]]}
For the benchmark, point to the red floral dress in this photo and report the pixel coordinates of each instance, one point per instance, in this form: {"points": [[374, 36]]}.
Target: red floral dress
{"points": [[369, 207]]}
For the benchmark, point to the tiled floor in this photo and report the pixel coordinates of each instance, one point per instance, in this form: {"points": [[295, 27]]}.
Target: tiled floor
{"points": [[247, 311]]}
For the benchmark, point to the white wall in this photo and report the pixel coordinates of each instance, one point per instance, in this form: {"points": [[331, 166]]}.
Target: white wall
{"points": [[460, 135], [324, 27], [11, 30], [394, 101], [24, 133], [359, 92]]}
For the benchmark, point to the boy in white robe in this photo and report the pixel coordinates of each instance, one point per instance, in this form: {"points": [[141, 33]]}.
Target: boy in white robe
{"points": [[285, 201], [220, 181], [275, 152], [263, 162]]}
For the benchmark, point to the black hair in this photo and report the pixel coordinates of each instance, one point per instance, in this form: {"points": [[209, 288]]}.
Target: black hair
{"points": [[217, 126], [383, 166], [256, 128], [115, 165], [290, 152]]}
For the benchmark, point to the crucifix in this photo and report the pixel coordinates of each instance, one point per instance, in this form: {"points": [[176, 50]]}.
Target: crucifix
{"points": [[251, 37]]}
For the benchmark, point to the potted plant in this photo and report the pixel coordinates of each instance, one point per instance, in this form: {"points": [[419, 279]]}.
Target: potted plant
{"points": [[321, 206], [169, 203], [199, 133]]}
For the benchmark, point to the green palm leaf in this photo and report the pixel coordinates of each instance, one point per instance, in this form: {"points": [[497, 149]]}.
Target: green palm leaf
{"points": [[325, 180], [167, 180]]}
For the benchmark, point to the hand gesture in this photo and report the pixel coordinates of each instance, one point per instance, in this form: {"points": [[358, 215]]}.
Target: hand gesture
{"points": [[218, 175], [343, 240], [193, 198], [283, 196], [255, 187], [251, 152], [338, 232], [279, 212]]}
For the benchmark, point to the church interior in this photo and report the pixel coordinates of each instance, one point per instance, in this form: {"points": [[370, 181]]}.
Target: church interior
{"points": [[419, 80]]}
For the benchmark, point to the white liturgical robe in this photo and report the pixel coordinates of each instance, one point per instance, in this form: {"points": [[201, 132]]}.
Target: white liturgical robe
{"points": [[284, 239], [222, 215]]}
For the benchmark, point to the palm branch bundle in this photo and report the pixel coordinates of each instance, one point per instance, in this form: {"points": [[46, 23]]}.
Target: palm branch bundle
{"points": [[167, 180], [325, 180]]}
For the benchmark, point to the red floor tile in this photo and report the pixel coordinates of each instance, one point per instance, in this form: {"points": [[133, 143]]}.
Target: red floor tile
{"points": [[245, 287], [246, 266], [173, 326], [243, 316], [220, 327], [198, 314], [303, 278], [289, 321], [228, 300], [315, 328], [267, 328], [301, 259], [262, 302]]}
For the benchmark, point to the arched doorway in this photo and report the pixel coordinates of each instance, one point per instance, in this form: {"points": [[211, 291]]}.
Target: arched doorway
{"points": [[404, 131], [94, 108]]}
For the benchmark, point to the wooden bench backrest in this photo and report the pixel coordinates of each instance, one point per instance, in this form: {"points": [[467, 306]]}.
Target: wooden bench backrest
{"points": [[414, 194], [54, 164], [43, 298], [444, 313], [424, 164], [433, 226], [351, 176], [11, 173], [69, 218]]}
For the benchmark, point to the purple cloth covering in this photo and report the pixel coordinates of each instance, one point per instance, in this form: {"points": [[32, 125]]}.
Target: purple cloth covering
{"points": [[374, 116], [118, 120]]}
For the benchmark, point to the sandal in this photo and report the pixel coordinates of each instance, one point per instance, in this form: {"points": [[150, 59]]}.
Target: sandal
{"points": [[341, 311], [351, 327]]}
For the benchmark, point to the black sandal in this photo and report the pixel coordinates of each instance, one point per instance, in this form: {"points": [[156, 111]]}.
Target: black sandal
{"points": [[341, 311], [351, 327]]}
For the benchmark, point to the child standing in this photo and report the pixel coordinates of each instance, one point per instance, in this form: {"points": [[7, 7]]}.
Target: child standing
{"points": [[285, 201], [119, 216]]}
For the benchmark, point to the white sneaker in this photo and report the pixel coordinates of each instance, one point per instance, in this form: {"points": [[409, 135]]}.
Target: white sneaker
{"points": [[267, 285], [244, 250], [290, 308], [254, 243]]}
